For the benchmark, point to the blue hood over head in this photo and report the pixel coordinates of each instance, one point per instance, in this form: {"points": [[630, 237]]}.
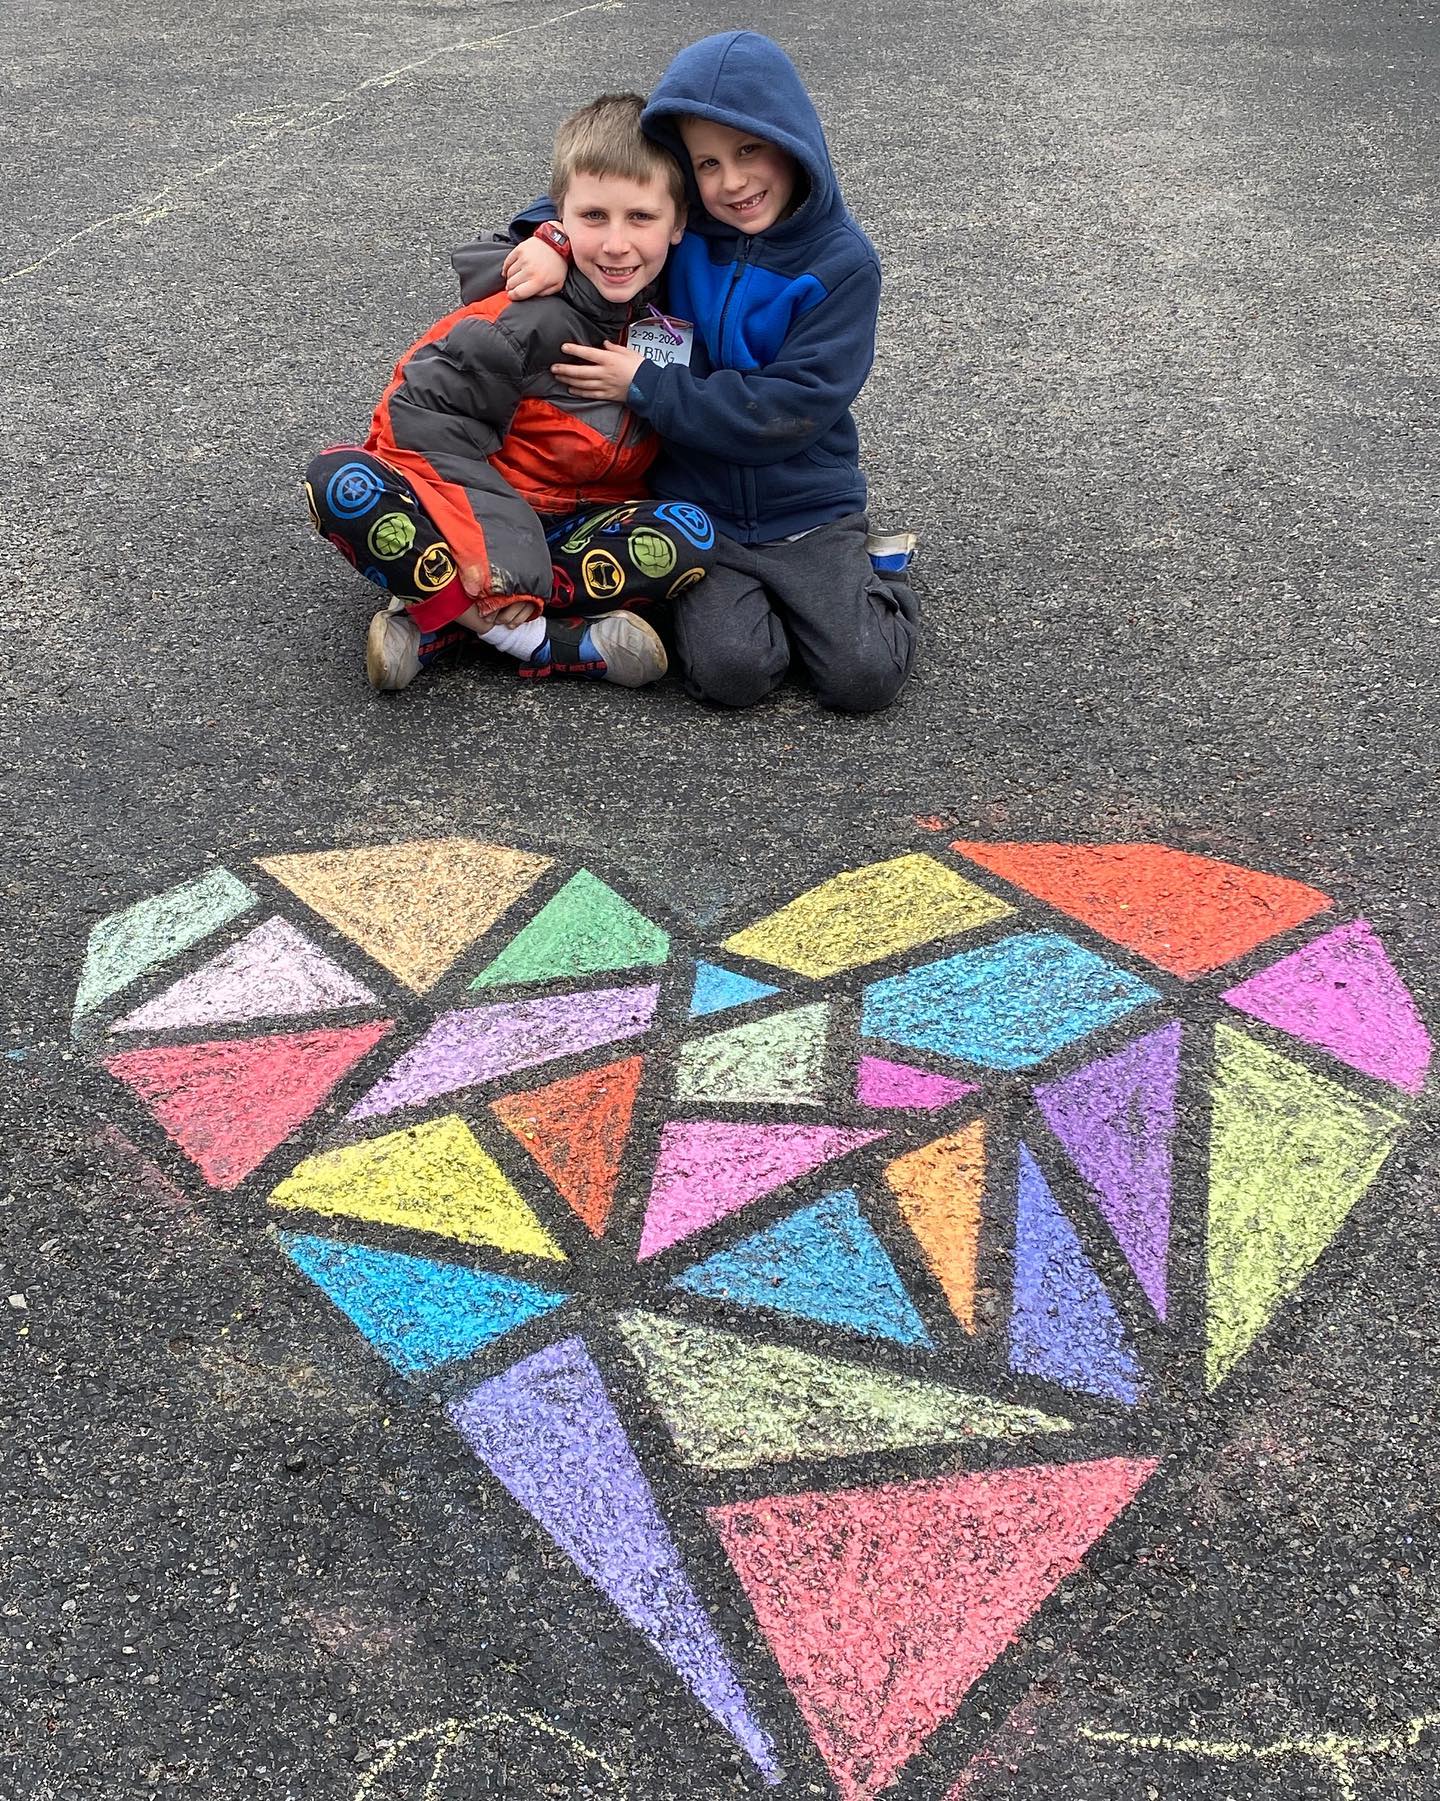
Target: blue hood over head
{"points": [[745, 81]]}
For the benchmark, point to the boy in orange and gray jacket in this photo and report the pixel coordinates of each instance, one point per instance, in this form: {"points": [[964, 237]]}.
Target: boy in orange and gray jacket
{"points": [[487, 498]]}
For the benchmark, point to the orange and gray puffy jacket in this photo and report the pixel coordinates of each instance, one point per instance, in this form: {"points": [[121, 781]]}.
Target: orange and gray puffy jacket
{"points": [[487, 436]]}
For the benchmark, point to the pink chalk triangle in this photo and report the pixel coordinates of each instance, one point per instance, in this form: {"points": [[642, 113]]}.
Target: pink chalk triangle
{"points": [[272, 972], [707, 1169], [880, 1083], [1341, 992]]}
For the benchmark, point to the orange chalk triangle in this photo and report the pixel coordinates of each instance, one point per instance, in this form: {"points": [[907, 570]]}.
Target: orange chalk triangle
{"points": [[1186, 913], [885, 1606], [941, 1191], [412, 907], [576, 1130], [229, 1103]]}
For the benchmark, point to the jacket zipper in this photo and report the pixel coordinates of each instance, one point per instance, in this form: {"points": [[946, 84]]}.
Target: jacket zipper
{"points": [[742, 259]]}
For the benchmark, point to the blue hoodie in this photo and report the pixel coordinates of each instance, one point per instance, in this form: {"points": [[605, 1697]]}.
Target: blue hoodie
{"points": [[758, 429]]}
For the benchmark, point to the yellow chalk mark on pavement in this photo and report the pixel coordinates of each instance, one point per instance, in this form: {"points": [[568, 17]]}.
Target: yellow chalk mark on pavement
{"points": [[442, 1741], [868, 914], [432, 1178], [413, 907], [1329, 1748]]}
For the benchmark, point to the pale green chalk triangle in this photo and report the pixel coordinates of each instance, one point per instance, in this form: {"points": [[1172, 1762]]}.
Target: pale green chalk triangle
{"points": [[125, 945], [731, 1403], [780, 1059], [584, 928], [1290, 1154]]}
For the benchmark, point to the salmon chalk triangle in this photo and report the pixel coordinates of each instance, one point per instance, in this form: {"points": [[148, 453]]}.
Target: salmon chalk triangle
{"points": [[575, 1130]]}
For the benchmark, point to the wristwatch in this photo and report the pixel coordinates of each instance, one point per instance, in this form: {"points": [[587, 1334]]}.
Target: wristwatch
{"points": [[550, 233]]}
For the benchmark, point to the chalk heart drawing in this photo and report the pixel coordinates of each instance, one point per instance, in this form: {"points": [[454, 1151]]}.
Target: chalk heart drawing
{"points": [[884, 1241]]}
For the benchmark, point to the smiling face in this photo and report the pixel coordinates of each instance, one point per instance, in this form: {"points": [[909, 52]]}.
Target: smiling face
{"points": [[746, 181], [620, 230]]}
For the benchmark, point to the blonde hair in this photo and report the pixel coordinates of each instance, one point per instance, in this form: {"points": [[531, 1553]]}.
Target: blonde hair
{"points": [[604, 138]]}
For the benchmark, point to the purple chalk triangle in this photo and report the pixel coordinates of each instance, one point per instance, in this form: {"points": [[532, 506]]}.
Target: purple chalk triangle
{"points": [[707, 1169], [273, 972], [547, 1430], [1341, 992], [880, 1083], [477, 1044], [1116, 1118]]}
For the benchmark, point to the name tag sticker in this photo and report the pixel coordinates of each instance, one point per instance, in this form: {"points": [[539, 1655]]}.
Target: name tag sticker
{"points": [[662, 341]]}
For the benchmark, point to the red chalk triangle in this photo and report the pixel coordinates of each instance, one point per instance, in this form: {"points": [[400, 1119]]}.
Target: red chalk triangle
{"points": [[575, 1130], [884, 1606], [1189, 914], [229, 1104]]}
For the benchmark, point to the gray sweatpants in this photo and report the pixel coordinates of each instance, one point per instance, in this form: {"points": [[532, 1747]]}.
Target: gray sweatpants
{"points": [[817, 602]]}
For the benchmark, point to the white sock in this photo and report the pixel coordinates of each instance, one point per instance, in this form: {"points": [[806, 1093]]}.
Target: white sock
{"points": [[517, 640]]}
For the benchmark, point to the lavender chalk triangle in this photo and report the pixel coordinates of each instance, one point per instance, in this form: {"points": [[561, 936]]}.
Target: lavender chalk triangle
{"points": [[476, 1044], [1063, 1326], [547, 1430], [1116, 1118], [1341, 992], [272, 972], [880, 1083]]}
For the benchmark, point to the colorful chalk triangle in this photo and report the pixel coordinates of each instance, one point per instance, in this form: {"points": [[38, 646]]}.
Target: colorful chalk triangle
{"points": [[582, 930], [474, 1045], [126, 945], [940, 1190], [273, 972], [1186, 913], [864, 915], [412, 907], [229, 1104], [1116, 1119], [1342, 992], [884, 1606], [1063, 1325], [717, 988], [776, 1061], [430, 1178], [881, 1084], [575, 1130], [417, 1313], [731, 1403], [548, 1431], [823, 1263], [1290, 1154], [707, 1169]]}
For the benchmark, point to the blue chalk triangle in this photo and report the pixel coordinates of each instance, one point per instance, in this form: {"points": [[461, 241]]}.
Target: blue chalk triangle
{"points": [[717, 988], [416, 1313], [1063, 1326], [823, 1263]]}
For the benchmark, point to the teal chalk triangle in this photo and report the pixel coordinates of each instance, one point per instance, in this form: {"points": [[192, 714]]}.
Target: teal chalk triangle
{"points": [[717, 988], [416, 1313], [823, 1263], [584, 928]]}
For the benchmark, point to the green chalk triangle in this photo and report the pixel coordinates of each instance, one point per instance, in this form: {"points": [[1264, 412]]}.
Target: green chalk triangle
{"points": [[584, 928], [732, 1403], [1290, 1154], [780, 1060]]}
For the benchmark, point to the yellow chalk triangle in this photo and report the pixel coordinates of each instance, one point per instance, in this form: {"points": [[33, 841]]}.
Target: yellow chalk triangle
{"points": [[868, 914], [413, 907], [432, 1178]]}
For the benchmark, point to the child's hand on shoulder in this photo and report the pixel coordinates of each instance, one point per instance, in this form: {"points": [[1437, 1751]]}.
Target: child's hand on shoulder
{"points": [[604, 374], [533, 269]]}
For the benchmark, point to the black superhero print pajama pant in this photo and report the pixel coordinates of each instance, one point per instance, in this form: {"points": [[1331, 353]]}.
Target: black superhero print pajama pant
{"points": [[603, 560]]}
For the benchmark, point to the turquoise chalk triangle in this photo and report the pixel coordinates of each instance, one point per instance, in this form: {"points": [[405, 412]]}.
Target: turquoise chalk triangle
{"points": [[823, 1263], [416, 1313], [717, 988]]}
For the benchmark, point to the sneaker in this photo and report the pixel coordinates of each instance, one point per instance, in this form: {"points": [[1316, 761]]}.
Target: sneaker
{"points": [[396, 650], [617, 647], [891, 553]]}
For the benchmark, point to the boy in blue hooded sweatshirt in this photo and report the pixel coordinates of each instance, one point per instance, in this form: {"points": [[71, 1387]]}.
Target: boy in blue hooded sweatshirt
{"points": [[783, 290]]}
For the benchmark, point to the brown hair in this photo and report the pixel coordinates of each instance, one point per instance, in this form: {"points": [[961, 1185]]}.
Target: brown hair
{"points": [[604, 138]]}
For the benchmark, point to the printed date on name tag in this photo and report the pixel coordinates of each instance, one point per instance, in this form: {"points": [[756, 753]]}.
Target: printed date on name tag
{"points": [[662, 341]]}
